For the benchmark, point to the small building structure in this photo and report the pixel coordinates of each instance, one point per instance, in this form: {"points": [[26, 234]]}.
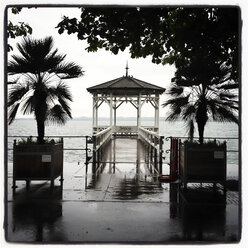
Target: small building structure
{"points": [[126, 89], [123, 90]]}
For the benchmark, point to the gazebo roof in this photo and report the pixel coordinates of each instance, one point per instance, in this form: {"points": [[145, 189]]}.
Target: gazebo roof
{"points": [[126, 85]]}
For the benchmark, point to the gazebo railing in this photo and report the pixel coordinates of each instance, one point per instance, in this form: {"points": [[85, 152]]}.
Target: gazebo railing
{"points": [[101, 138], [150, 137], [154, 143]]}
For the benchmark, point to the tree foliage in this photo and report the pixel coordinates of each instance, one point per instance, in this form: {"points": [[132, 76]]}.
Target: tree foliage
{"points": [[38, 72], [169, 35], [202, 43], [15, 30]]}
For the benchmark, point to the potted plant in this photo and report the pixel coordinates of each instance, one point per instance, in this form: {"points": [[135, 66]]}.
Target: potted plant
{"points": [[202, 89], [202, 163], [39, 90]]}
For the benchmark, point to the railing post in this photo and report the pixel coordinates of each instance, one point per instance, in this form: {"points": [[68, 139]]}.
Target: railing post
{"points": [[155, 158], [94, 148], [62, 173], [151, 153], [161, 154], [14, 166]]}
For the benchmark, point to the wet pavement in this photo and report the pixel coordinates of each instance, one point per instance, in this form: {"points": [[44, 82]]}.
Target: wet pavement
{"points": [[122, 203]]}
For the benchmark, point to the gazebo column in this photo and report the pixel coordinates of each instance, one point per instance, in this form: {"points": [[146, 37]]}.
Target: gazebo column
{"points": [[96, 121], [111, 110], [94, 111], [156, 122], [114, 114], [139, 111]]}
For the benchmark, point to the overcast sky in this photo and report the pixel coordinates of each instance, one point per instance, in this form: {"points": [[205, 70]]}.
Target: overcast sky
{"points": [[99, 67]]}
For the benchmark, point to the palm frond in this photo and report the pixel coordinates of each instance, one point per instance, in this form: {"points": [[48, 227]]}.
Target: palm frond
{"points": [[57, 115], [64, 104], [60, 91], [52, 60], [68, 70], [176, 105], [211, 106], [175, 90], [29, 105], [215, 102], [225, 115], [173, 116], [178, 101], [227, 95], [188, 112], [190, 127], [15, 81], [17, 92], [228, 86], [18, 65], [12, 112]]}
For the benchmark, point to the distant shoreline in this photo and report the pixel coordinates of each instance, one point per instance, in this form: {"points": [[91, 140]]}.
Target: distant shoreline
{"points": [[105, 118], [84, 118]]}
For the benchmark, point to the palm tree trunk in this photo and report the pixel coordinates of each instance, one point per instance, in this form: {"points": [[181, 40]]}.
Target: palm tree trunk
{"points": [[201, 127], [41, 131], [201, 114]]}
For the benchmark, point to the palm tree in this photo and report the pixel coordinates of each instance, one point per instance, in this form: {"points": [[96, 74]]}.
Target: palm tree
{"points": [[38, 87], [196, 103]]}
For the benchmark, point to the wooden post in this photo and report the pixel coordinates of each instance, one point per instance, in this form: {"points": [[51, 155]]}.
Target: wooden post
{"points": [[98, 158], [155, 158], [96, 120], [111, 110], [115, 115], [94, 151], [114, 150], [94, 112], [139, 111], [151, 154], [157, 112]]}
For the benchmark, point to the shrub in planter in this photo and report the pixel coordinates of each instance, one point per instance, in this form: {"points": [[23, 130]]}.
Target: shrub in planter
{"points": [[37, 88], [202, 162]]}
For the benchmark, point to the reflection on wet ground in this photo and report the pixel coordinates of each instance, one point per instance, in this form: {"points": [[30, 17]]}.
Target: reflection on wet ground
{"points": [[122, 202]]}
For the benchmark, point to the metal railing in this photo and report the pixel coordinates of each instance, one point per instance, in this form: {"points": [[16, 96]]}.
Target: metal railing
{"points": [[55, 137], [85, 148], [232, 150], [205, 138]]}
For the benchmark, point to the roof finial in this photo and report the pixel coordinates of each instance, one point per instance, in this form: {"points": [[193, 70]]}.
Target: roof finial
{"points": [[127, 69]]}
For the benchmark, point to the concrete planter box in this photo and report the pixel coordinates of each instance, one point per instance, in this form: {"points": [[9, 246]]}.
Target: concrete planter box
{"points": [[199, 163], [37, 162]]}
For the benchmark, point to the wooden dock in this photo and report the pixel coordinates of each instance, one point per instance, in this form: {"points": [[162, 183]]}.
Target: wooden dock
{"points": [[130, 147]]}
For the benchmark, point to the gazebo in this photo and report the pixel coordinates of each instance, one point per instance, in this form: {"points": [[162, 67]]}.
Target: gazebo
{"points": [[137, 92], [123, 90]]}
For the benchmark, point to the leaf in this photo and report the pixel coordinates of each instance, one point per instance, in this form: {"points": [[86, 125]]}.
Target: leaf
{"points": [[12, 112], [16, 93], [57, 115]]}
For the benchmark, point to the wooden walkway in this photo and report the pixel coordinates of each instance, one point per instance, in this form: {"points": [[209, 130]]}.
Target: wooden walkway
{"points": [[131, 145]]}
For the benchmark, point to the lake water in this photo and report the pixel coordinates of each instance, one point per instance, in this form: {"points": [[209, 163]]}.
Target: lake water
{"points": [[82, 127]]}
